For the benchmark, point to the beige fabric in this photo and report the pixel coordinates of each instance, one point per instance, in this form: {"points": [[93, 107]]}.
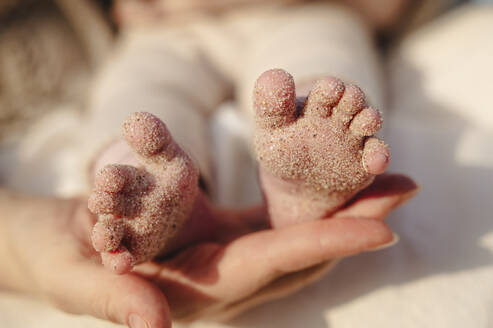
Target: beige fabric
{"points": [[46, 59], [383, 15], [173, 7], [309, 41], [41, 64], [47, 51], [161, 71]]}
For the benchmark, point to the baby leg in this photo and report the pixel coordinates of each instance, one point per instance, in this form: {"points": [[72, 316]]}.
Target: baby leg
{"points": [[315, 144], [164, 72], [147, 186]]}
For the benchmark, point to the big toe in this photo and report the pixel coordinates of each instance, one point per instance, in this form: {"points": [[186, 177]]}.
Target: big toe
{"points": [[274, 98]]}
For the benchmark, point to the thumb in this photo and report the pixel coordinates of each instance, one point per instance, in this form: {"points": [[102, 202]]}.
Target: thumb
{"points": [[86, 288]]}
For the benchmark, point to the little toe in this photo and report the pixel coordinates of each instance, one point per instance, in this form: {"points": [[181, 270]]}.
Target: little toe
{"points": [[107, 234], [367, 122], [101, 202], [352, 102], [274, 99], [376, 156], [119, 261], [146, 134], [326, 94]]}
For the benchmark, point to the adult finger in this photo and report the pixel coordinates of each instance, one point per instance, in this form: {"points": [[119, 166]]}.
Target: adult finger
{"points": [[86, 288], [386, 193], [255, 259]]}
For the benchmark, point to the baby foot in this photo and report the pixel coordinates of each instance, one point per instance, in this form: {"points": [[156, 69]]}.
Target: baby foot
{"points": [[141, 208], [315, 153]]}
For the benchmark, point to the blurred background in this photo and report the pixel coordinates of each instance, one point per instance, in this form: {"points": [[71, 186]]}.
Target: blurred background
{"points": [[52, 51], [49, 50]]}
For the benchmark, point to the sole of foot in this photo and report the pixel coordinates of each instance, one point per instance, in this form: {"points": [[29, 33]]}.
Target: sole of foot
{"points": [[314, 152], [141, 208]]}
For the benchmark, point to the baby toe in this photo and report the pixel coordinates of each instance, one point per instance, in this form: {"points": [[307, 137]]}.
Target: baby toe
{"points": [[352, 102], [326, 94], [367, 122], [119, 261], [101, 202], [274, 99], [107, 234], [111, 178], [376, 156], [146, 134]]}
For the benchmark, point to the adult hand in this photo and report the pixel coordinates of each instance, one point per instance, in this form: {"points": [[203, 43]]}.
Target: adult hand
{"points": [[49, 254], [50, 247], [246, 265]]}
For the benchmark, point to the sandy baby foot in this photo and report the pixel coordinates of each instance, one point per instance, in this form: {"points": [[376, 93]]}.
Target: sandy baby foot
{"points": [[315, 153], [142, 208]]}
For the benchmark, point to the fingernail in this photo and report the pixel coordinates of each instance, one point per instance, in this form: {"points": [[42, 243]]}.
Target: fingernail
{"points": [[135, 321], [394, 241]]}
